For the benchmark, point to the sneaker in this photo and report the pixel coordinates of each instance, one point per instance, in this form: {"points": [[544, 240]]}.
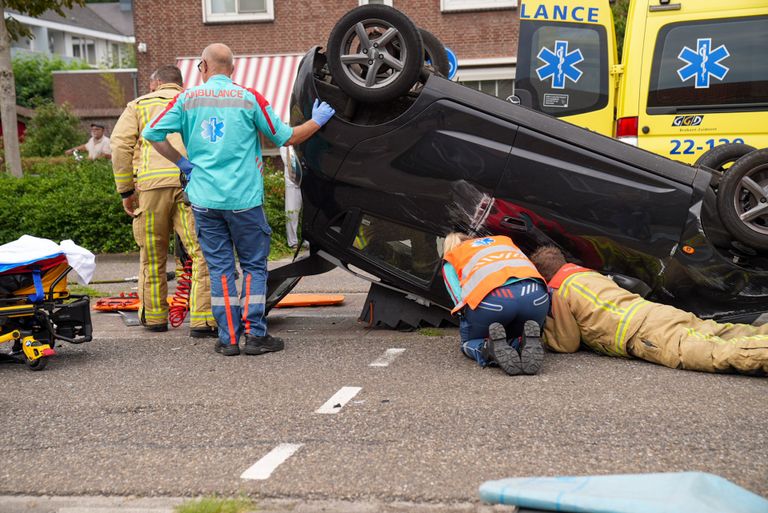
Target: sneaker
{"points": [[261, 345], [500, 352], [157, 328], [207, 332], [532, 353], [227, 349]]}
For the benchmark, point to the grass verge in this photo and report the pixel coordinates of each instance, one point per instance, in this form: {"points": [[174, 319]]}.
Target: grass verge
{"points": [[217, 505]]}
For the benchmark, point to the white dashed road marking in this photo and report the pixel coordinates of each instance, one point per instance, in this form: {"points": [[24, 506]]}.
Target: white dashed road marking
{"points": [[339, 399], [263, 468], [388, 357]]}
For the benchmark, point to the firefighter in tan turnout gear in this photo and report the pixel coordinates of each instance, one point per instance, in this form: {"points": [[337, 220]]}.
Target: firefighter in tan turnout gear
{"points": [[590, 308], [153, 197]]}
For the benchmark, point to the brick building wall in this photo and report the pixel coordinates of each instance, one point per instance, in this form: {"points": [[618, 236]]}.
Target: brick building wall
{"points": [[175, 28], [95, 96]]}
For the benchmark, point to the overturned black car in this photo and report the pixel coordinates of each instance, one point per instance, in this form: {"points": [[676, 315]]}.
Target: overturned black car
{"points": [[395, 171]]}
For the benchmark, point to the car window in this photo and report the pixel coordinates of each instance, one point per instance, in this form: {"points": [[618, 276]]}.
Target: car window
{"points": [[402, 247], [710, 65], [565, 67]]}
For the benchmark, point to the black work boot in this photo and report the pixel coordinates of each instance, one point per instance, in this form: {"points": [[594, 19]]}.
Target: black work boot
{"points": [[206, 332], [496, 349], [156, 328], [261, 345], [531, 352], [227, 349]]}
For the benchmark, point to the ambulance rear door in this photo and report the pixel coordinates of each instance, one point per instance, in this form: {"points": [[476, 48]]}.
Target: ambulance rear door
{"points": [[565, 58], [705, 77]]}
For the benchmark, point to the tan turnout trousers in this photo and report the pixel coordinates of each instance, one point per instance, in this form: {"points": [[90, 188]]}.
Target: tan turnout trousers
{"points": [[159, 212], [590, 308]]}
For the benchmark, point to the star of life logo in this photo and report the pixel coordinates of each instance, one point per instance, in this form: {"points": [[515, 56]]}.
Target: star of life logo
{"points": [[213, 129], [559, 65], [703, 63], [487, 241]]}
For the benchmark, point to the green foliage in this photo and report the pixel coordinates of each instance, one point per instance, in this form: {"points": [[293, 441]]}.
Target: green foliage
{"points": [[431, 332], [84, 290], [274, 208], [53, 130], [68, 200], [620, 8], [216, 505], [34, 78], [59, 198]]}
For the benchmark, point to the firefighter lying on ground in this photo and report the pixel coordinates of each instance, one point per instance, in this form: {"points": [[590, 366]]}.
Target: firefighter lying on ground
{"points": [[502, 298], [590, 308]]}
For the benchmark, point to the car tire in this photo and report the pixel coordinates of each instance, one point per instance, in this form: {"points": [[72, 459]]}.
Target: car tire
{"points": [[352, 53], [742, 200], [720, 156], [435, 56]]}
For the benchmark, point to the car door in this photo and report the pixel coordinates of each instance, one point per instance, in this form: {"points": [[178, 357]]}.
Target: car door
{"points": [[565, 58]]}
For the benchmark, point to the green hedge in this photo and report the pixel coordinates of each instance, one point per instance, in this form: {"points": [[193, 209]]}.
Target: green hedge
{"points": [[60, 199]]}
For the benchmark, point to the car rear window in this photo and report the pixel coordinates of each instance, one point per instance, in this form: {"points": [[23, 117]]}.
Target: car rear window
{"points": [[564, 67], [713, 65]]}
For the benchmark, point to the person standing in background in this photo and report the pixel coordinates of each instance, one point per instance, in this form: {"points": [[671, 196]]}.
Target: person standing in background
{"points": [[292, 201]]}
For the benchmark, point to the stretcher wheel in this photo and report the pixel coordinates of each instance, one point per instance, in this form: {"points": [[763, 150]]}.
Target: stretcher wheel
{"points": [[37, 365]]}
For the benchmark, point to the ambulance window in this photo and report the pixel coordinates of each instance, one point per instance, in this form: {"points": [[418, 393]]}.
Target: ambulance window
{"points": [[717, 65], [567, 67]]}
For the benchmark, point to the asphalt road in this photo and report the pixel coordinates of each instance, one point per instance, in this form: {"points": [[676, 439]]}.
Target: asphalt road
{"points": [[134, 413]]}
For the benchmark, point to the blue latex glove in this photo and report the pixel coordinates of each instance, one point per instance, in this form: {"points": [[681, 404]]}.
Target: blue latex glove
{"points": [[321, 112], [186, 167]]}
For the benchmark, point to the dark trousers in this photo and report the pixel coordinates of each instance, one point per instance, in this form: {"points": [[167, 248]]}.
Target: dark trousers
{"points": [[509, 305]]}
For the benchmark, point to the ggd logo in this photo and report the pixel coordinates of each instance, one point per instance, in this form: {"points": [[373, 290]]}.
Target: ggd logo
{"points": [[687, 120]]}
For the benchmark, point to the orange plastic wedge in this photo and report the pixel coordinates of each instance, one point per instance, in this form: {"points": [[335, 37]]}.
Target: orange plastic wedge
{"points": [[310, 300]]}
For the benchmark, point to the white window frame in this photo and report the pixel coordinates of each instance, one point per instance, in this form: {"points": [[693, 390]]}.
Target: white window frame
{"points": [[366, 2], [483, 70], [210, 17], [476, 5]]}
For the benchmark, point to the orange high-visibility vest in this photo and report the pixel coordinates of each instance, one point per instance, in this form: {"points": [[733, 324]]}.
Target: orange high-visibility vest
{"points": [[485, 264]]}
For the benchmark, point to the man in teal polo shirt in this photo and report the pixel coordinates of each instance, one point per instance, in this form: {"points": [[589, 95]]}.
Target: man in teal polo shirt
{"points": [[219, 122]]}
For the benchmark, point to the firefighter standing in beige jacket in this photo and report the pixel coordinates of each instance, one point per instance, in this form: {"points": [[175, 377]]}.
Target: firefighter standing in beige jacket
{"points": [[591, 308], [154, 199]]}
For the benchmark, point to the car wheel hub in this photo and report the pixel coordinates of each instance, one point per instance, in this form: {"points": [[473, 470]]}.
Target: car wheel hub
{"points": [[751, 200], [372, 54]]}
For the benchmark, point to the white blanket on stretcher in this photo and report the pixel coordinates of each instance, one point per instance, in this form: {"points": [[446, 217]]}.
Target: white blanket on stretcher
{"points": [[28, 250]]}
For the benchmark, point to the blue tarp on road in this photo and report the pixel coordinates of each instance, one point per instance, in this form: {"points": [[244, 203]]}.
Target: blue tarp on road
{"points": [[681, 492]]}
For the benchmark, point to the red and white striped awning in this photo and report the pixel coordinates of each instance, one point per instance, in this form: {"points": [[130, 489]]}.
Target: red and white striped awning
{"points": [[271, 75]]}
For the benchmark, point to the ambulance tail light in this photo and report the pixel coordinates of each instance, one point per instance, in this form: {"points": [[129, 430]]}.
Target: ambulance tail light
{"points": [[626, 130]]}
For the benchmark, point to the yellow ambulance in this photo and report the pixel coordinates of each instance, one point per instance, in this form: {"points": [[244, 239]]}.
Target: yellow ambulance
{"points": [[693, 74]]}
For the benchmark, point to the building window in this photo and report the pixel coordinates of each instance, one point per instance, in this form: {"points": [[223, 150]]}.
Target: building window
{"points": [[223, 11], [476, 5], [498, 88], [384, 2], [84, 49]]}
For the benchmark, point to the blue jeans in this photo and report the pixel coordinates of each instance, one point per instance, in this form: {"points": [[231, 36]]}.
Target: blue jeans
{"points": [[510, 305], [248, 230]]}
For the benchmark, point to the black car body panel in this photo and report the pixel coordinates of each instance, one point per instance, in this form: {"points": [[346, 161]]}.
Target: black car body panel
{"points": [[382, 184]]}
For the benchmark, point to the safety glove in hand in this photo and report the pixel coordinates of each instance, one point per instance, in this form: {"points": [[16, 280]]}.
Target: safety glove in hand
{"points": [[321, 112], [186, 167]]}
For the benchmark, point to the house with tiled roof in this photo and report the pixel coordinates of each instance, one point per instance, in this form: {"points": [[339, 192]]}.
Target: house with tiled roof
{"points": [[99, 34]]}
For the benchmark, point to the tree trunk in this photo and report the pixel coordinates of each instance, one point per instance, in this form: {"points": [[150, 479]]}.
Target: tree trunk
{"points": [[8, 100]]}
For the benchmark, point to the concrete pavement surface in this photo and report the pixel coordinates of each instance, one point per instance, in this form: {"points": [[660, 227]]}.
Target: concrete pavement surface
{"points": [[136, 416]]}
